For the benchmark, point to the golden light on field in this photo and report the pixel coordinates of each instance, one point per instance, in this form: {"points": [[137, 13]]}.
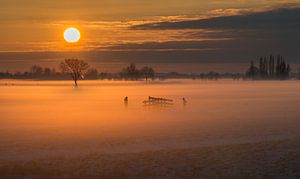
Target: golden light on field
{"points": [[72, 35]]}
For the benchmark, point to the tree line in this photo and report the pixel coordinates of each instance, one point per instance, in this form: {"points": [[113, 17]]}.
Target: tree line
{"points": [[133, 73], [78, 70], [269, 68]]}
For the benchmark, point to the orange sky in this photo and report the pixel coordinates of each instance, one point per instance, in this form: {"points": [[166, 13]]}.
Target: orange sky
{"points": [[36, 25], [106, 26]]}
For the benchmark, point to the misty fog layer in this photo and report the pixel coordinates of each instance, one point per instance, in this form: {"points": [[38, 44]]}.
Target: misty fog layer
{"points": [[50, 118]]}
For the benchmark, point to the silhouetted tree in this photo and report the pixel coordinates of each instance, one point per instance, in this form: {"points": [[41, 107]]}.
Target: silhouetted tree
{"points": [[76, 68], [271, 66], [213, 75], [92, 73], [253, 71], [36, 70], [53, 71], [47, 71], [147, 72], [282, 69], [131, 72], [268, 70], [265, 74], [261, 66]]}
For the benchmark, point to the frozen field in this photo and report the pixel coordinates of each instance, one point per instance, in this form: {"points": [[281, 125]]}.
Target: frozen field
{"points": [[227, 129]]}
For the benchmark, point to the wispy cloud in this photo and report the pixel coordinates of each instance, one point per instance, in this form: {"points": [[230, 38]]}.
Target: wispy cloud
{"points": [[283, 18]]}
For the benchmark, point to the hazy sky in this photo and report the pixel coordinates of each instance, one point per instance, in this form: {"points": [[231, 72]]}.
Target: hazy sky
{"points": [[38, 10], [148, 31]]}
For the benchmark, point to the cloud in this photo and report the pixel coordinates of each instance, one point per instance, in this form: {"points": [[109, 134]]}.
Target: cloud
{"points": [[278, 18], [244, 36]]}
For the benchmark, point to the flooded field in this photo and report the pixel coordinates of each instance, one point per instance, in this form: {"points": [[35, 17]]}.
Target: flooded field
{"points": [[53, 120]]}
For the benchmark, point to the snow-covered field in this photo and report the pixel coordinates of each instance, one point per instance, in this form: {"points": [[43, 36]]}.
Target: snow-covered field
{"points": [[228, 129]]}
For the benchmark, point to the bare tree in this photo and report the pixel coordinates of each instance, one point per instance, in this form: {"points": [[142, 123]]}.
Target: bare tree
{"points": [[131, 72], [147, 72], [36, 70], [91, 73], [76, 68]]}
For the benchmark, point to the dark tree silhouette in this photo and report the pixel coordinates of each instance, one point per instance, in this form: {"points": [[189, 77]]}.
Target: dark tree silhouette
{"points": [[272, 66], [253, 71], [76, 68], [131, 72], [268, 70], [261, 66], [36, 70], [92, 73], [47, 71], [147, 72]]}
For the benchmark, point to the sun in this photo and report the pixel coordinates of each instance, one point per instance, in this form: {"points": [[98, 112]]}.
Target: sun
{"points": [[72, 35]]}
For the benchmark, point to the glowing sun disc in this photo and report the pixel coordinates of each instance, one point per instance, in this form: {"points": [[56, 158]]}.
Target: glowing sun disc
{"points": [[72, 35]]}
